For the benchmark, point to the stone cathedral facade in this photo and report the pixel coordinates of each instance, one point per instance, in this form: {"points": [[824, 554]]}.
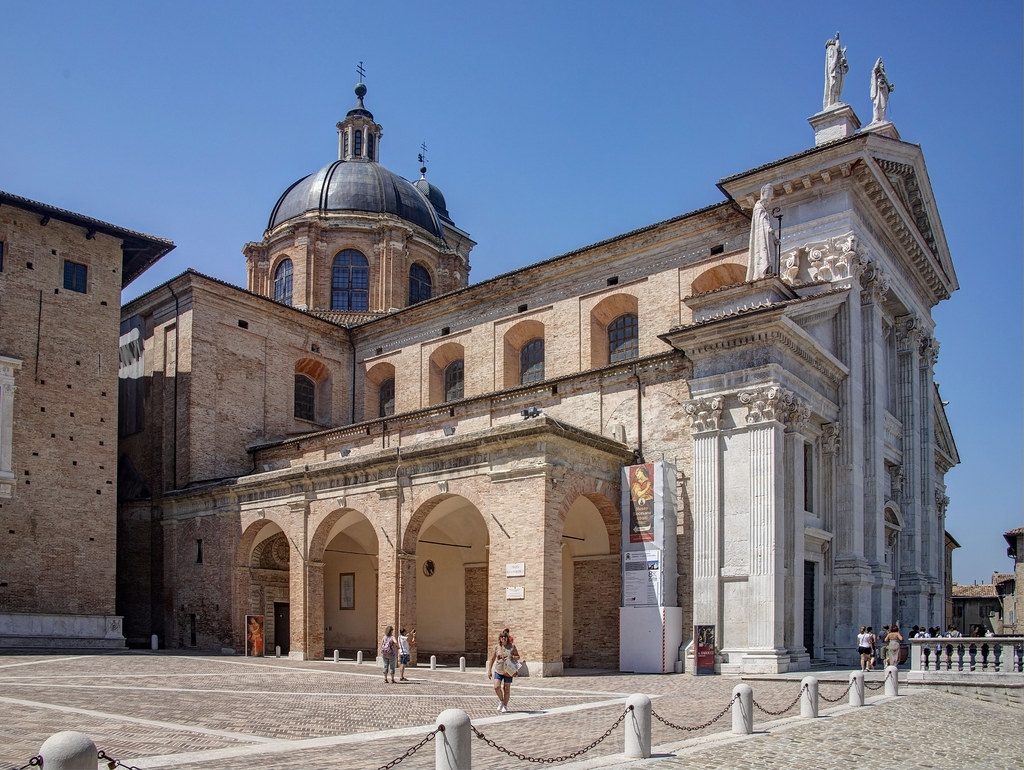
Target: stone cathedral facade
{"points": [[362, 438]]}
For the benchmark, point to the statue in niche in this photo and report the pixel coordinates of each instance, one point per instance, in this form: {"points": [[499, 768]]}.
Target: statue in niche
{"points": [[835, 72], [880, 90], [763, 243]]}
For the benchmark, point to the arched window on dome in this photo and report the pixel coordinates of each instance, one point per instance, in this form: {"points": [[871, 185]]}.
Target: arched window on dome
{"points": [[357, 143], [623, 338], [531, 362], [386, 398], [454, 379], [420, 285], [369, 145], [350, 281], [305, 398], [283, 282]]}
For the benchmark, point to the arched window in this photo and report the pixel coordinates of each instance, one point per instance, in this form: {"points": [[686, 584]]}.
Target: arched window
{"points": [[357, 143], [350, 281], [283, 282], [454, 376], [305, 398], [369, 146], [531, 362], [419, 284], [386, 398], [623, 338]]}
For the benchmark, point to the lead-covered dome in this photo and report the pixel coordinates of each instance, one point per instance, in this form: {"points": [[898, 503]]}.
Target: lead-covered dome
{"points": [[357, 186]]}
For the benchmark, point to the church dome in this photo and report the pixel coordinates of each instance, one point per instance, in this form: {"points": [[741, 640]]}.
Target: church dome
{"points": [[434, 196], [361, 186]]}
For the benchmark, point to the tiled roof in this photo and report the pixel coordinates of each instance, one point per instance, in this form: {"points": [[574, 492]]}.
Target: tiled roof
{"points": [[1013, 532], [983, 591], [1001, 577]]}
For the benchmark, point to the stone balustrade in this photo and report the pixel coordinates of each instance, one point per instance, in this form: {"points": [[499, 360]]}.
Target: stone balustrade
{"points": [[968, 655]]}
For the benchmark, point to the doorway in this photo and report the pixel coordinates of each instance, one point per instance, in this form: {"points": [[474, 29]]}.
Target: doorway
{"points": [[809, 581], [282, 627]]}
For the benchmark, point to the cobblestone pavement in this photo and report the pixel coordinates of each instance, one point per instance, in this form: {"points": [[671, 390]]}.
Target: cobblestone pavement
{"points": [[165, 710]]}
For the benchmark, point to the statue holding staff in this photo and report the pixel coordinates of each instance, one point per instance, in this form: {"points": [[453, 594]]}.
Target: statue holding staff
{"points": [[763, 242], [835, 72], [880, 90]]}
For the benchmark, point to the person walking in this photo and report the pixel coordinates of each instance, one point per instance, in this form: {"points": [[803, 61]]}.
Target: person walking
{"points": [[863, 647], [872, 641], [504, 662], [404, 652], [388, 651], [893, 639]]}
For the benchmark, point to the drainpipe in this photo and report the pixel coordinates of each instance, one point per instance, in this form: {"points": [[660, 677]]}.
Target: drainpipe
{"points": [[398, 537], [352, 395], [174, 433], [639, 417]]}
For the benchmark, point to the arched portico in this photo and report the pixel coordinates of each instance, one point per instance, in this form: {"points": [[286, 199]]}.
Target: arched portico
{"points": [[262, 583]]}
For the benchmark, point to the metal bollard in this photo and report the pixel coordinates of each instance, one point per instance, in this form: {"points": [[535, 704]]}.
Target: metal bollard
{"points": [[68, 750], [154, 642], [809, 697], [453, 745], [857, 688], [337, 656], [743, 709], [433, 662], [277, 651], [462, 663], [892, 681], [638, 727], [359, 657]]}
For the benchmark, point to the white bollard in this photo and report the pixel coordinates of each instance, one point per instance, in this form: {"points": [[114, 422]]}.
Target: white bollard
{"points": [[892, 681], [359, 657], [809, 697], [433, 662], [68, 750], [454, 746], [462, 663], [154, 642], [638, 727], [337, 656], [857, 688], [743, 709], [277, 651]]}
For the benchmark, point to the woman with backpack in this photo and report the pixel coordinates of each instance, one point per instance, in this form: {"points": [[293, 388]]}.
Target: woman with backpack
{"points": [[388, 652]]}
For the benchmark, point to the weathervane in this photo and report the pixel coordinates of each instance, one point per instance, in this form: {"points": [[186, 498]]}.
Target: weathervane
{"points": [[361, 71], [422, 157]]}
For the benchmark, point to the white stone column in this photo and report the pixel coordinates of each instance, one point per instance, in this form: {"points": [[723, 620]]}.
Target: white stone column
{"points": [[766, 408], [830, 438], [910, 581], [705, 416], [8, 366], [931, 536]]}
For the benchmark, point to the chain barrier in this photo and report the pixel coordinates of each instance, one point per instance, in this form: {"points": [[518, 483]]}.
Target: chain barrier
{"points": [[695, 728], [112, 763], [36, 761], [551, 760], [841, 695], [771, 713], [413, 749], [875, 685]]}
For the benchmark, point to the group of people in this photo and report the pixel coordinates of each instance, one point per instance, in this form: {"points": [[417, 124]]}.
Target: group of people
{"points": [[887, 646], [503, 663]]}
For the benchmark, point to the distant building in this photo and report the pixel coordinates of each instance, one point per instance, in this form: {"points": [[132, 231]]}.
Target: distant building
{"points": [[976, 607], [951, 545], [1011, 586], [61, 275]]}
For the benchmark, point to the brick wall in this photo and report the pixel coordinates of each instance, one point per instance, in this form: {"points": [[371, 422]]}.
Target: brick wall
{"points": [[597, 585]]}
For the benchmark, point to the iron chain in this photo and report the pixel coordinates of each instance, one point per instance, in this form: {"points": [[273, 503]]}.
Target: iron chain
{"points": [[695, 728], [36, 761], [111, 762], [875, 685], [841, 695], [771, 713], [413, 749], [552, 760]]}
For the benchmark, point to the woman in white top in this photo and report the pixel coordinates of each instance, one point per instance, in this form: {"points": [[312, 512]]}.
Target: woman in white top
{"points": [[864, 647], [404, 651]]}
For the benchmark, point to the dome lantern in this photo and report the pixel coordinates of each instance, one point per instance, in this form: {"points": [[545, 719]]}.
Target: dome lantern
{"points": [[358, 134]]}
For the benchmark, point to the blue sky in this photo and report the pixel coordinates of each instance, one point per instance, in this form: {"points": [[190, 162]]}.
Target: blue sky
{"points": [[549, 126]]}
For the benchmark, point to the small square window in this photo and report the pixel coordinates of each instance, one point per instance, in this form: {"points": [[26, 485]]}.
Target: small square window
{"points": [[75, 276]]}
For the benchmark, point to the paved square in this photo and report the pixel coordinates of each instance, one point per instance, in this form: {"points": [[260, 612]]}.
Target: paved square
{"points": [[164, 710]]}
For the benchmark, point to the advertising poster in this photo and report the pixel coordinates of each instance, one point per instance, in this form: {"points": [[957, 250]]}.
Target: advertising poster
{"points": [[641, 503], [703, 650], [254, 636]]}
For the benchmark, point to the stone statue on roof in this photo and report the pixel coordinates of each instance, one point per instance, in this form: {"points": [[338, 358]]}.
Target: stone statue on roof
{"points": [[880, 90], [763, 242], [835, 72]]}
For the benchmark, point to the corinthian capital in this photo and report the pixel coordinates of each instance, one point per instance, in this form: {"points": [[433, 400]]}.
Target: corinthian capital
{"points": [[929, 350], [767, 404], [830, 438], [874, 284], [705, 414], [835, 259], [908, 333]]}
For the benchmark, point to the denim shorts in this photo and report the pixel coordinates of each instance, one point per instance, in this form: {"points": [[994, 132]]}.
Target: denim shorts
{"points": [[404, 659], [502, 678]]}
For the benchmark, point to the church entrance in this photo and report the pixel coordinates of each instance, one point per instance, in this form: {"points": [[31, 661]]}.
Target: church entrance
{"points": [[809, 583], [282, 626]]}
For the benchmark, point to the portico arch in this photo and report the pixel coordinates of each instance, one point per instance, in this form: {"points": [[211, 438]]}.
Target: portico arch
{"points": [[591, 581], [448, 539], [347, 546], [261, 581]]}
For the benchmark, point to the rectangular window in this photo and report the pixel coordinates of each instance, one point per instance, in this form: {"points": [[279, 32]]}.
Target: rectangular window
{"points": [[75, 276], [199, 550], [808, 477], [1, 256], [347, 591]]}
